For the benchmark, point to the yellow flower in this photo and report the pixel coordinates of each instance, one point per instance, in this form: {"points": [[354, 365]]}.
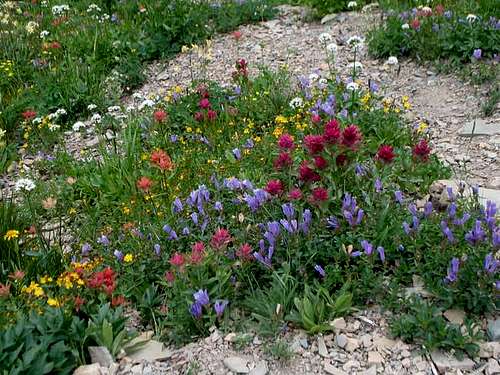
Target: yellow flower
{"points": [[278, 131], [128, 258], [280, 120], [53, 302], [422, 127], [11, 233], [72, 211], [126, 210], [45, 279]]}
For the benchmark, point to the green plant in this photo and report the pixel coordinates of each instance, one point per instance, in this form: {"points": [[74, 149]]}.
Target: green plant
{"points": [[423, 324], [315, 309], [280, 349]]}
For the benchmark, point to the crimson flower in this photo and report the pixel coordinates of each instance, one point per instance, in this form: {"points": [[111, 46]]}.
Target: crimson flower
{"points": [[320, 162], [331, 133], [422, 150], [415, 24], [211, 115], [198, 116], [385, 153], [29, 114], [307, 174], [351, 136], [286, 142], [274, 187], [314, 143], [319, 194], [177, 260], [204, 103], [294, 194], [283, 160], [245, 252]]}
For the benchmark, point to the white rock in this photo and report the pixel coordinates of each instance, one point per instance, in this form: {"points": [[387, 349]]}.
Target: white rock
{"points": [[445, 362], [352, 344], [374, 358], [237, 365], [489, 349], [260, 369], [93, 369], [332, 370], [152, 351], [339, 324], [493, 367], [383, 342], [370, 371]]}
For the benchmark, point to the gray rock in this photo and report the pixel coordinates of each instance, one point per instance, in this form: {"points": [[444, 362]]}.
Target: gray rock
{"points": [[374, 358], [446, 362], [323, 351], [260, 369], [489, 349], [494, 329], [237, 365], [493, 367], [339, 323], [455, 316], [480, 127], [101, 355], [332, 370], [341, 340], [370, 371]]}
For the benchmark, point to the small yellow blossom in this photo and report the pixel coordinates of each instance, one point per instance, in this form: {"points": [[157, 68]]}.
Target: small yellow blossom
{"points": [[422, 127], [72, 211], [11, 233], [128, 258], [53, 302]]}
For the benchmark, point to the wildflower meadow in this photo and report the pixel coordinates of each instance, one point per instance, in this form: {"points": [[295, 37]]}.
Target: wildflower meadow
{"points": [[241, 211]]}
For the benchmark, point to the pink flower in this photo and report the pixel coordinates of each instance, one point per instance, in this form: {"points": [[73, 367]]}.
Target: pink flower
{"points": [[385, 153], [220, 239], [160, 116], [283, 160], [314, 143], [286, 142], [331, 132], [319, 195], [415, 24], [204, 103], [211, 115], [422, 150], [351, 136], [316, 119], [245, 252], [320, 162], [274, 187], [177, 260], [307, 174], [198, 116], [198, 247], [170, 276], [295, 194], [237, 35], [144, 184]]}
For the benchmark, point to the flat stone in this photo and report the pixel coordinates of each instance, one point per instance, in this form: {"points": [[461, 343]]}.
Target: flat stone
{"points": [[101, 355], [341, 340], [237, 365], [260, 369], [455, 316], [370, 371], [352, 345], [322, 350], [480, 127], [93, 369], [339, 324], [489, 349], [151, 351], [383, 342], [374, 358], [493, 367], [445, 362], [494, 329], [332, 370]]}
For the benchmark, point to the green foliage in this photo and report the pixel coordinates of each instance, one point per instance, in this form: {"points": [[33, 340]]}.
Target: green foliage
{"points": [[280, 349], [315, 309], [324, 7], [422, 323]]}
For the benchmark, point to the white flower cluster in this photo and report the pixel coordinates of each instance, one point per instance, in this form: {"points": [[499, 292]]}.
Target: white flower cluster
{"points": [[44, 34], [352, 4], [405, 26], [332, 48], [471, 18], [296, 103], [352, 86], [78, 125], [146, 103], [325, 38], [31, 27], [355, 42], [93, 8], [91, 107], [356, 66], [392, 60], [58, 10], [24, 184]]}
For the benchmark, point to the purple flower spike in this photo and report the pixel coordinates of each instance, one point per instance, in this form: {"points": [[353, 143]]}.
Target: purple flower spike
{"points": [[378, 185], [428, 209], [177, 206], [475, 235], [103, 240], [398, 195], [201, 297], [237, 154], [367, 247], [490, 264], [118, 255], [320, 270], [452, 275], [288, 210], [451, 195], [356, 253], [86, 249], [447, 232], [332, 223], [196, 310], [381, 253], [157, 249], [220, 306], [477, 53]]}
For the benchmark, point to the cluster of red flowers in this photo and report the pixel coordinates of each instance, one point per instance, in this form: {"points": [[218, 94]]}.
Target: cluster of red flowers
{"points": [[241, 70], [29, 114], [160, 116], [422, 150], [144, 183], [206, 113], [197, 252], [220, 239], [104, 280], [161, 159], [245, 252], [385, 154]]}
